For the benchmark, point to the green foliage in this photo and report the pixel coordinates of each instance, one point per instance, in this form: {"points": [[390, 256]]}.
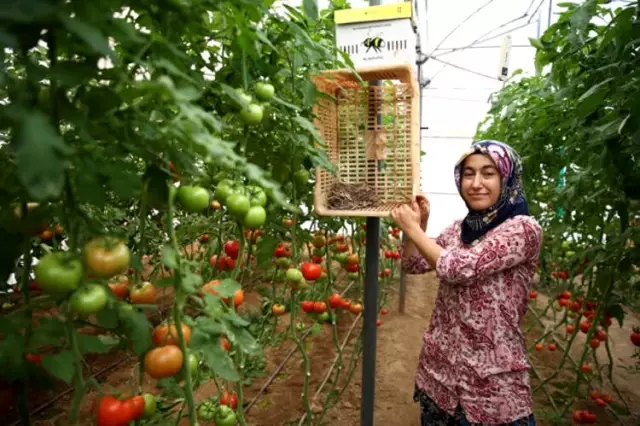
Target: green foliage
{"points": [[577, 127]]}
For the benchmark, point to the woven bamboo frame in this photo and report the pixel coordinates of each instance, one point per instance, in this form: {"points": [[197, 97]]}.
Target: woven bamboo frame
{"points": [[348, 120]]}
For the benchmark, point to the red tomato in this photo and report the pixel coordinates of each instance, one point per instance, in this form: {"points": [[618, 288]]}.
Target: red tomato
{"points": [[307, 306], [384, 311], [606, 398], [378, 322], [335, 300], [595, 343], [352, 267], [388, 254], [355, 308], [539, 346], [586, 368], [113, 412], [135, 405], [635, 337], [552, 347], [34, 358], [311, 271], [204, 238], [229, 399], [533, 294], [226, 345], [571, 328], [316, 259], [232, 249], [585, 326], [564, 302], [319, 307], [346, 304], [565, 295], [601, 335], [282, 251]]}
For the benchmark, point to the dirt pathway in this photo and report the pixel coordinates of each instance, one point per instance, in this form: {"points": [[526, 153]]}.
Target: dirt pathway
{"points": [[399, 344]]}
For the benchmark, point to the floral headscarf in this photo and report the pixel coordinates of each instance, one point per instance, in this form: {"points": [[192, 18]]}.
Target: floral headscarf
{"points": [[512, 201]]}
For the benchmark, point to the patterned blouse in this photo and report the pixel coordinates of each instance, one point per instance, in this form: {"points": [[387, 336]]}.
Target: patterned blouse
{"points": [[474, 352]]}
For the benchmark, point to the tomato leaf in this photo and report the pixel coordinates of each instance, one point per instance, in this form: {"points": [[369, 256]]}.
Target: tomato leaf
{"points": [[236, 319], [266, 246], [169, 257], [216, 358], [228, 287], [108, 317], [60, 365], [190, 282], [285, 103], [308, 126], [138, 329], [40, 154], [50, 331], [316, 329], [310, 9], [616, 312], [89, 34], [96, 344]]}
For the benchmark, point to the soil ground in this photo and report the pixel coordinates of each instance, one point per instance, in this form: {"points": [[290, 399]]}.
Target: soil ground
{"points": [[398, 346]]}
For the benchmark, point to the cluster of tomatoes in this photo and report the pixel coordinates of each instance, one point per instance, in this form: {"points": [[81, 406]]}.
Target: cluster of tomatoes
{"points": [[251, 112], [221, 410], [335, 301], [584, 417], [114, 411], [166, 358], [578, 307], [63, 273]]}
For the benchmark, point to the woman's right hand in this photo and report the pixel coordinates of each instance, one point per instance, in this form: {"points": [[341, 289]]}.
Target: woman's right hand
{"points": [[425, 209]]}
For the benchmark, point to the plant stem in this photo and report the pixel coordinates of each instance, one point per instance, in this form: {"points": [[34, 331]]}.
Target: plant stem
{"points": [[177, 315]]}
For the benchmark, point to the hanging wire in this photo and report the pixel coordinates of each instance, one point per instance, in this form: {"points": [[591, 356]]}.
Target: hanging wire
{"points": [[471, 15], [483, 38], [463, 69]]}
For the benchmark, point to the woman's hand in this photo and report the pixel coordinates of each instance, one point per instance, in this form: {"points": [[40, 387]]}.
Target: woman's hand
{"points": [[425, 209], [407, 216]]}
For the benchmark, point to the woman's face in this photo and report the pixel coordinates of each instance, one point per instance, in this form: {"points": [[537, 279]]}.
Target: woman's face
{"points": [[480, 182]]}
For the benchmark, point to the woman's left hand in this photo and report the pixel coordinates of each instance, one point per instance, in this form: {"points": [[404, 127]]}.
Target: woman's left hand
{"points": [[406, 216]]}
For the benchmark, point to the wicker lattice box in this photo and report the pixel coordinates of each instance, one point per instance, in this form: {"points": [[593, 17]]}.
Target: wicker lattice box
{"points": [[372, 136]]}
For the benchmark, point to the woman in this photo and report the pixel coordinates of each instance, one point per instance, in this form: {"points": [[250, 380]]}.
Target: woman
{"points": [[473, 367]]}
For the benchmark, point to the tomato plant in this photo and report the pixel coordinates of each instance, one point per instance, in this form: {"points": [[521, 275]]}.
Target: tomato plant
{"points": [[137, 140], [574, 124]]}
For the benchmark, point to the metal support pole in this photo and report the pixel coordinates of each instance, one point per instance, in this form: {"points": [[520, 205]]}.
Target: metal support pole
{"points": [[403, 283], [369, 345], [371, 289]]}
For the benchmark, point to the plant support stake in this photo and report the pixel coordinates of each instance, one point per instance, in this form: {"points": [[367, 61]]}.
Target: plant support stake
{"points": [[371, 288]]}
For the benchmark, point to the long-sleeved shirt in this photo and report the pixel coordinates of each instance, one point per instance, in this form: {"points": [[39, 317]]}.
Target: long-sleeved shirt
{"points": [[474, 352]]}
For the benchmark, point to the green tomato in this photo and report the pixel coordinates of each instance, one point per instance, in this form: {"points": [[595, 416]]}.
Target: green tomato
{"points": [[150, 405], [353, 275], [566, 245], [255, 217], [257, 196], [265, 91], [324, 317], [89, 300], [238, 205], [225, 416], [294, 275], [283, 262], [193, 364], [244, 97], [206, 411], [302, 177], [224, 189], [59, 273], [300, 326], [570, 253], [194, 199], [539, 194], [302, 285], [252, 114], [340, 257]]}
